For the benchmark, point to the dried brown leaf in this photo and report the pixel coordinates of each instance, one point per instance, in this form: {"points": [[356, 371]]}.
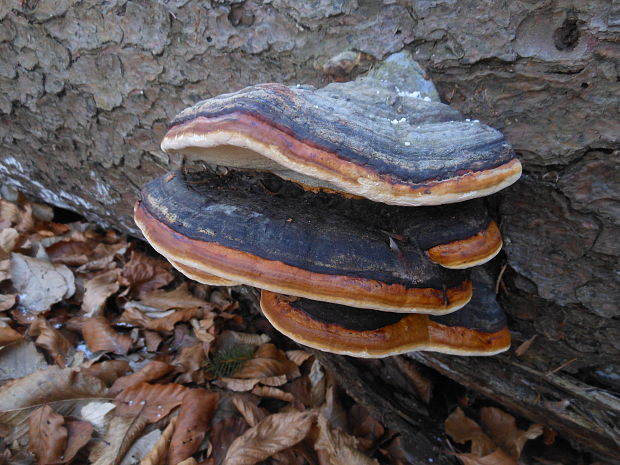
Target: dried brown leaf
{"points": [[65, 390], [421, 384], [223, 434], [8, 335], [268, 361], [9, 211], [272, 392], [153, 370], [141, 447], [98, 289], [275, 433], [502, 428], [366, 429], [70, 252], [162, 321], [189, 360], [47, 435], [190, 461], [298, 357], [152, 401], [20, 359], [228, 339], [195, 418], [248, 409], [157, 455], [339, 448], [7, 301], [177, 298], [50, 339], [242, 385], [462, 429], [108, 371], [40, 283], [152, 340], [119, 436], [523, 347], [145, 274], [8, 241], [99, 336], [80, 433], [498, 457]]}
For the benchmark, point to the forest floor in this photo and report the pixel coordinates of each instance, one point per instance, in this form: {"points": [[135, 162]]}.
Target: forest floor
{"points": [[109, 356]]}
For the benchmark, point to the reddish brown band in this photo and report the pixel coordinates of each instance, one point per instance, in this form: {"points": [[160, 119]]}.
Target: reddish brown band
{"points": [[201, 276], [276, 276], [412, 332], [474, 250], [299, 155]]}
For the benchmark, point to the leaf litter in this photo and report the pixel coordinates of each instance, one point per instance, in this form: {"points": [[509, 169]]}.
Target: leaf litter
{"points": [[109, 356]]}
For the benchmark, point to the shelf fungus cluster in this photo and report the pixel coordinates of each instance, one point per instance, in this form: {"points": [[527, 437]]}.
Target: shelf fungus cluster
{"points": [[354, 208]]}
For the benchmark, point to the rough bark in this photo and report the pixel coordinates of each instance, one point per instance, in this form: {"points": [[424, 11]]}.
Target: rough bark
{"points": [[86, 90]]}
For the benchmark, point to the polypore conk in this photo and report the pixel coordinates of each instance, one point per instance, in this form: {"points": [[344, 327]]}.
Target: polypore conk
{"points": [[369, 137], [230, 228], [479, 328]]}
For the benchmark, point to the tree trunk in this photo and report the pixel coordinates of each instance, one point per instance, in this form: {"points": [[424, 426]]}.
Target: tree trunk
{"points": [[86, 90]]}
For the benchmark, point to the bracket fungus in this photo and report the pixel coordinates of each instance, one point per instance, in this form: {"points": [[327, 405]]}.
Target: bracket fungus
{"points": [[362, 236], [367, 137], [208, 224], [479, 328]]}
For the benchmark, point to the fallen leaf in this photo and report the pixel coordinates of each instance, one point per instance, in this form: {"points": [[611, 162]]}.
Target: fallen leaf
{"points": [[108, 371], [159, 321], [145, 274], [141, 448], [120, 434], [152, 401], [228, 339], [47, 435], [9, 211], [95, 413], [298, 357], [365, 428], [79, 433], [153, 370], [190, 360], [50, 339], [519, 351], [63, 389], [97, 291], [191, 461], [250, 412], [8, 241], [7, 301], [462, 429], [223, 434], [70, 252], [502, 428], [273, 434], [152, 340], [99, 336], [157, 455], [8, 335], [422, 385], [195, 417], [20, 359], [268, 361], [40, 283], [242, 385], [498, 457], [273, 393], [339, 448], [177, 298]]}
